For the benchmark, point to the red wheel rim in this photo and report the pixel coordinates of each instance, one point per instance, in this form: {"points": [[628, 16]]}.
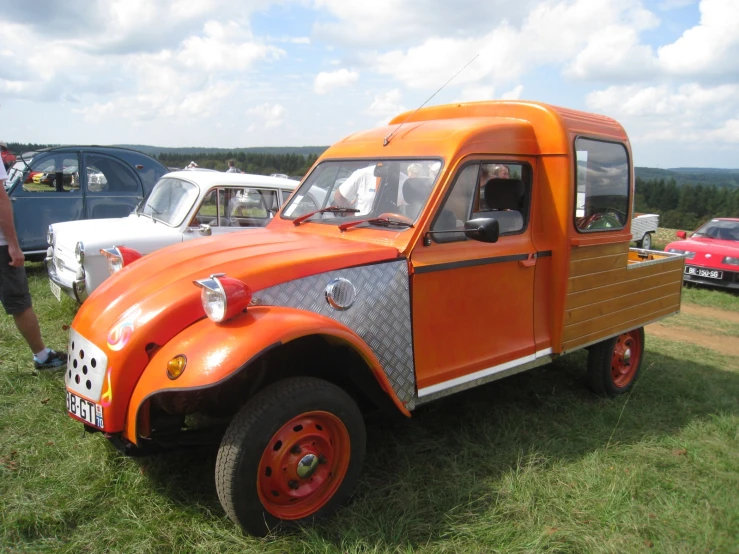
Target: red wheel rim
{"points": [[303, 465], [626, 357]]}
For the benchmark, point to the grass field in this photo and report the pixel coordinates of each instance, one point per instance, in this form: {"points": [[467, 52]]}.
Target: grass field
{"points": [[533, 463]]}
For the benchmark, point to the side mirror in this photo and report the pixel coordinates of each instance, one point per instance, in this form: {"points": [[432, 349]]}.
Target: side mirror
{"points": [[484, 229], [681, 234], [205, 230]]}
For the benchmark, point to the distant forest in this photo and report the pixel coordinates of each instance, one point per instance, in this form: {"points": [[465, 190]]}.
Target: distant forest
{"points": [[686, 206], [684, 197]]}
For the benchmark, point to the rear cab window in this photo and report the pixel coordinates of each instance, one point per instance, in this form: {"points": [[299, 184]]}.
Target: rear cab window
{"points": [[602, 180]]}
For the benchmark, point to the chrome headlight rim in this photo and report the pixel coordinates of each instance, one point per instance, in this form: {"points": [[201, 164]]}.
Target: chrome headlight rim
{"points": [[79, 252], [50, 236]]}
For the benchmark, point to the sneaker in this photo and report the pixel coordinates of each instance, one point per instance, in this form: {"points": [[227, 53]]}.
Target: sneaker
{"points": [[53, 362]]}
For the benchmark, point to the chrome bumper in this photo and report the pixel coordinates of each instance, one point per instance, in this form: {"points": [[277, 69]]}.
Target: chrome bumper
{"points": [[78, 289]]}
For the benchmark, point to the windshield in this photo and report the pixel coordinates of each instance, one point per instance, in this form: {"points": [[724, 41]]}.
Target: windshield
{"points": [[719, 229], [170, 201], [371, 188]]}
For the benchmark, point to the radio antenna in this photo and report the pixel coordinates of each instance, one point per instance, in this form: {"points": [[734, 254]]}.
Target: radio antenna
{"points": [[386, 141]]}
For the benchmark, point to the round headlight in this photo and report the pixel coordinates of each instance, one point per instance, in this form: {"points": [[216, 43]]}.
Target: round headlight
{"points": [[79, 252], [223, 297], [50, 236], [214, 301]]}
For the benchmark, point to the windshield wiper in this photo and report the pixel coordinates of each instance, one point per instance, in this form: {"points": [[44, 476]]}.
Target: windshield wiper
{"points": [[331, 209], [379, 221]]}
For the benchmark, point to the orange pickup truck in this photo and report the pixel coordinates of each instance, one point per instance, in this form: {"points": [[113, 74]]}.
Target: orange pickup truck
{"points": [[415, 260]]}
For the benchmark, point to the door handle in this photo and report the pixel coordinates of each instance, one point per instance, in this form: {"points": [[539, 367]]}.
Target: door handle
{"points": [[528, 262]]}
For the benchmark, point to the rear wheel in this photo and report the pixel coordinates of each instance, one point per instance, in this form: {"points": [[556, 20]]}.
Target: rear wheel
{"points": [[614, 364], [646, 241], [293, 453]]}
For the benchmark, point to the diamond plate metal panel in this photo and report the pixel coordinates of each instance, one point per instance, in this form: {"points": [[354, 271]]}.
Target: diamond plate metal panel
{"points": [[86, 367], [381, 314]]}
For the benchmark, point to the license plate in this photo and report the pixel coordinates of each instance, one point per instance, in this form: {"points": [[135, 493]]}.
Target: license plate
{"points": [[56, 290], [85, 410], [700, 272]]}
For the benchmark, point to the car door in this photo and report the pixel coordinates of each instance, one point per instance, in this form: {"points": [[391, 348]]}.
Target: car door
{"points": [[112, 188], [50, 192], [472, 302]]}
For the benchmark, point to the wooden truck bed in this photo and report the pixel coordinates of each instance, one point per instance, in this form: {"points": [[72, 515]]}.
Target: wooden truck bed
{"points": [[613, 288]]}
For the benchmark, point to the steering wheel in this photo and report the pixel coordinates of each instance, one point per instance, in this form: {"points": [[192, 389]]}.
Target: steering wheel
{"points": [[399, 217]]}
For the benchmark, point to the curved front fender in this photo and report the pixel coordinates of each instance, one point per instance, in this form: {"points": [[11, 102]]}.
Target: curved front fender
{"points": [[215, 352]]}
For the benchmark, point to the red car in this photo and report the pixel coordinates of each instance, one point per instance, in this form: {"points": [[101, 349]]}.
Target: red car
{"points": [[713, 253]]}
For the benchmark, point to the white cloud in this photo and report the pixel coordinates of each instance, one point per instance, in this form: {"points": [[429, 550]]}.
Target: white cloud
{"points": [[267, 116], [327, 81], [685, 114], [513, 94], [710, 48], [386, 106], [224, 48]]}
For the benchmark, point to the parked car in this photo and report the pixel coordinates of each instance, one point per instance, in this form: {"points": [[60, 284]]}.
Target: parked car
{"points": [[291, 331], [47, 187], [643, 226], [183, 205], [712, 253]]}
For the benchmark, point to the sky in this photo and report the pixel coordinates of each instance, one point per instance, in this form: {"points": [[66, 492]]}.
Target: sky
{"points": [[234, 74]]}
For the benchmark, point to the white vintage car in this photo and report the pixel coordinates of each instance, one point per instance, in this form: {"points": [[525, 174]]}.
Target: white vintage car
{"points": [[183, 205]]}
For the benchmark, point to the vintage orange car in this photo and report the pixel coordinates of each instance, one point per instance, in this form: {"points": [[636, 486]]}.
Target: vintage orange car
{"points": [[415, 260]]}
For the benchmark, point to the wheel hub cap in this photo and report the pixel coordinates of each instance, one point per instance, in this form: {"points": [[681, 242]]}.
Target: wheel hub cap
{"points": [[307, 466]]}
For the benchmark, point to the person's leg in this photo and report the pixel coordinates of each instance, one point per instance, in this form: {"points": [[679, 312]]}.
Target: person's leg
{"points": [[16, 299], [27, 324]]}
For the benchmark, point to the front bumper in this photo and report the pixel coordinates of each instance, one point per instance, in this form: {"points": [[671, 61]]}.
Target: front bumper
{"points": [[729, 279], [75, 288]]}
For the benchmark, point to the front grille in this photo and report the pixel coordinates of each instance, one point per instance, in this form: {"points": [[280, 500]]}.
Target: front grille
{"points": [[86, 367]]}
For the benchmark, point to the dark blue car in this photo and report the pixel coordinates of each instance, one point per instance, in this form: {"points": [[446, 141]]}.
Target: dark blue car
{"points": [[68, 183]]}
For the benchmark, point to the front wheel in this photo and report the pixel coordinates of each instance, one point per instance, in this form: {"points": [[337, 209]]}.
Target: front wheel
{"points": [[614, 364], [293, 453]]}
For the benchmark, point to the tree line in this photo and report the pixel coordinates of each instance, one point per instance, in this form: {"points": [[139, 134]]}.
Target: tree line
{"points": [[294, 165], [684, 206]]}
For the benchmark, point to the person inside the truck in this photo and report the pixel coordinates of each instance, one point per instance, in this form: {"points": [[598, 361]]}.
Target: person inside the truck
{"points": [[358, 191]]}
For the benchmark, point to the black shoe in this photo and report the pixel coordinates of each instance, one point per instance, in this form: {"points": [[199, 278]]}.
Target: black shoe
{"points": [[53, 362]]}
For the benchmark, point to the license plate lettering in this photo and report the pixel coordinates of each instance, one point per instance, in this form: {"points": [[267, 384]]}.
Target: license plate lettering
{"points": [[707, 273], [55, 290], [85, 410]]}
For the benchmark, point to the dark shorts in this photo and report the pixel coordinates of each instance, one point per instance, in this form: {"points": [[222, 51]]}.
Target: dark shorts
{"points": [[14, 294]]}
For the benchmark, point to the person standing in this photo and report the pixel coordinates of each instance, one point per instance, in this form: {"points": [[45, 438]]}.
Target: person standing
{"points": [[8, 157], [232, 167], [14, 295]]}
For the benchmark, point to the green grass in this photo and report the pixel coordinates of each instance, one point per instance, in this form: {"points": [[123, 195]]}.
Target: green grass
{"points": [[533, 463]]}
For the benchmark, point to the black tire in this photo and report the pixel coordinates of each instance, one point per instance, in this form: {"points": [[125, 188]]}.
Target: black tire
{"points": [[251, 435], [646, 241], [610, 370]]}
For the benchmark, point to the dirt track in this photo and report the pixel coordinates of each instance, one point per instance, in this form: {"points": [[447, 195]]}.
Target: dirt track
{"points": [[720, 343]]}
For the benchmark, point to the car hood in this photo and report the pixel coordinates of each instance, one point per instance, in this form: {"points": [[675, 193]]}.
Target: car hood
{"points": [[159, 288], [704, 245], [105, 233]]}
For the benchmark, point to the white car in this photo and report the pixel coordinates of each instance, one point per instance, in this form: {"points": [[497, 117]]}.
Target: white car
{"points": [[183, 205]]}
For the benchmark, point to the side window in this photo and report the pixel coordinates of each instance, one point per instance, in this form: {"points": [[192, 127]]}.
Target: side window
{"points": [[285, 195], [211, 211], [55, 173], [249, 207], [107, 175], [602, 199], [500, 190]]}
